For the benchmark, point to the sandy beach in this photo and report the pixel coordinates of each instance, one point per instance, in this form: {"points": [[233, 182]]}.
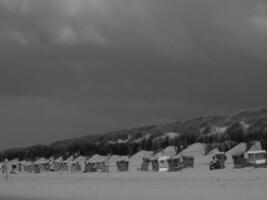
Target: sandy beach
{"points": [[189, 184]]}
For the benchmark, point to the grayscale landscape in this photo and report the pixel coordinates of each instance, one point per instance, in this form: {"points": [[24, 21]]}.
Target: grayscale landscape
{"points": [[133, 99]]}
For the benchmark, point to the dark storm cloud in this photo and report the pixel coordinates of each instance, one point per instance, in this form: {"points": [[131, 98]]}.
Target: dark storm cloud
{"points": [[73, 67]]}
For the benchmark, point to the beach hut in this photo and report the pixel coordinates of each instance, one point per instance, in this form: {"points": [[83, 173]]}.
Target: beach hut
{"points": [[69, 162], [123, 165], [136, 161], [236, 150], [188, 161], [257, 158], [175, 163], [100, 166], [163, 163], [78, 164], [21, 165], [60, 165], [13, 166], [256, 146], [112, 162], [41, 165], [169, 151], [75, 167], [155, 164], [28, 167], [240, 161], [193, 154], [159, 160], [144, 165], [97, 163], [90, 167]]}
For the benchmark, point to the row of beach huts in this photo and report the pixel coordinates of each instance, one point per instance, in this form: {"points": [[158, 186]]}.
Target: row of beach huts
{"points": [[166, 160]]}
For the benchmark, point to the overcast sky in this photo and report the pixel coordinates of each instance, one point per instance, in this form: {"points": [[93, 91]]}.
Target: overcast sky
{"points": [[75, 67]]}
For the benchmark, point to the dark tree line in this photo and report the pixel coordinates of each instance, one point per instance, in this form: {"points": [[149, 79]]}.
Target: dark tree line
{"points": [[148, 139]]}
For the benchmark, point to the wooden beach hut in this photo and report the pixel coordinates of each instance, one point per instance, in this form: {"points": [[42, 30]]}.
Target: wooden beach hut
{"points": [[123, 165], [193, 154], [175, 163], [155, 163], [144, 165], [240, 161], [163, 162], [78, 164], [97, 163], [112, 162], [137, 160], [236, 150], [257, 158], [159, 161], [41, 165]]}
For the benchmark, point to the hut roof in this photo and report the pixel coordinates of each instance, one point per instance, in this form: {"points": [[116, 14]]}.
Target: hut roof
{"points": [[213, 151], [207, 158], [168, 151], [69, 159], [22, 161], [59, 159], [194, 150], [28, 163], [142, 154], [42, 160], [256, 152], [164, 157], [237, 150], [137, 158], [80, 159], [115, 158], [14, 161], [97, 158], [256, 147]]}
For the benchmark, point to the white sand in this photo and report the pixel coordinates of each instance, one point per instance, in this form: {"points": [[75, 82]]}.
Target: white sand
{"points": [[189, 184]]}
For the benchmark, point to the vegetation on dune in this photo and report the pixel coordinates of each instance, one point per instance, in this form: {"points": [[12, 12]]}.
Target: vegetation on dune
{"points": [[222, 132]]}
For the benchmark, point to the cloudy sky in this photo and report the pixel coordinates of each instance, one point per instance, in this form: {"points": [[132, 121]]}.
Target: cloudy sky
{"points": [[75, 67]]}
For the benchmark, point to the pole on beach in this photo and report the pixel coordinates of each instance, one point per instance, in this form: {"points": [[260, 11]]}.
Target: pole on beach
{"points": [[108, 158], [6, 169], [181, 154]]}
